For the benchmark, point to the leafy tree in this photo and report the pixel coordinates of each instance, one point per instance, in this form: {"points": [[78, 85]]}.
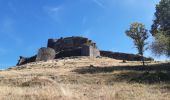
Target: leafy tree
{"points": [[160, 44], [161, 26], [139, 34], [162, 18]]}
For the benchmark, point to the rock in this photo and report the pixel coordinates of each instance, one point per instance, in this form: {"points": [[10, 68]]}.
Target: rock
{"points": [[45, 54], [22, 60], [25, 60]]}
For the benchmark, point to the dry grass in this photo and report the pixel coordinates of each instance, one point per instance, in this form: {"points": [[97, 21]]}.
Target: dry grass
{"points": [[86, 79]]}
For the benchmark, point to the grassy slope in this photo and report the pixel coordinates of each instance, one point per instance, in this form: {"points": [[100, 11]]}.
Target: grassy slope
{"points": [[86, 79]]}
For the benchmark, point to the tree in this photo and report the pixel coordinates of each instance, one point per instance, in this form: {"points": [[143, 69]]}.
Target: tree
{"points": [[161, 26], [160, 44], [139, 34]]}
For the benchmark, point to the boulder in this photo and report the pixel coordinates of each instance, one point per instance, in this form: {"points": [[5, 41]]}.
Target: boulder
{"points": [[45, 54]]}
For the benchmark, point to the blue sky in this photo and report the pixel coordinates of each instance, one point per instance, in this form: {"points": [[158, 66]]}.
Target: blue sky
{"points": [[25, 25]]}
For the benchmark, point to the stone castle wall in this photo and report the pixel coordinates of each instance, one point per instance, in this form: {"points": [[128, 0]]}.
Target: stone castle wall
{"points": [[90, 51], [73, 46], [69, 43], [124, 56], [63, 47]]}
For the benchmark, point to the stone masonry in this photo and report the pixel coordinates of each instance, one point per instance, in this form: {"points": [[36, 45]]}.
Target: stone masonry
{"points": [[63, 47], [78, 46]]}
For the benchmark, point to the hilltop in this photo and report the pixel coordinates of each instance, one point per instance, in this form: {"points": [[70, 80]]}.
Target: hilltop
{"points": [[86, 78]]}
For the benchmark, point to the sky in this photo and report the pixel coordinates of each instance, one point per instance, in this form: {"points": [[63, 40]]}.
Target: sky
{"points": [[26, 25]]}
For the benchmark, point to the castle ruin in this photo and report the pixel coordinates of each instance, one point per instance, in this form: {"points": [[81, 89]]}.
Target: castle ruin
{"points": [[73, 46], [63, 47]]}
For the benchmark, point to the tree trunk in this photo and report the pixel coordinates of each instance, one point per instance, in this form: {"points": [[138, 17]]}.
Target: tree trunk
{"points": [[143, 60]]}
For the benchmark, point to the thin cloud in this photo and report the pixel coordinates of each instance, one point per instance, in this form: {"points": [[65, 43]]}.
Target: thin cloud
{"points": [[99, 3], [53, 9], [53, 12]]}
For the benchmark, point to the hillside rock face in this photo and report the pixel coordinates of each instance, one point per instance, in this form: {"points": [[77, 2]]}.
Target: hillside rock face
{"points": [[45, 54]]}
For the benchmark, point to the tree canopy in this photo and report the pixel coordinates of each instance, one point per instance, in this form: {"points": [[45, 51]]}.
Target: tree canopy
{"points": [[162, 18], [161, 29], [139, 34]]}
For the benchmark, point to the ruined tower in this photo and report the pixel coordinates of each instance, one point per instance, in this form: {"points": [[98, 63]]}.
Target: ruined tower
{"points": [[73, 46]]}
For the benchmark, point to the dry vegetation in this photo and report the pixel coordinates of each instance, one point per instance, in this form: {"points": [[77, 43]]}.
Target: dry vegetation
{"points": [[84, 78]]}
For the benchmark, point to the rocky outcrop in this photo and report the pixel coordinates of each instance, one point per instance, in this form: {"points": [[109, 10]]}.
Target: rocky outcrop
{"points": [[123, 56], [25, 60], [45, 54]]}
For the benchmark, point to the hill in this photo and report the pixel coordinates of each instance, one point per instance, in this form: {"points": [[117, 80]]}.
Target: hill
{"points": [[86, 78]]}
